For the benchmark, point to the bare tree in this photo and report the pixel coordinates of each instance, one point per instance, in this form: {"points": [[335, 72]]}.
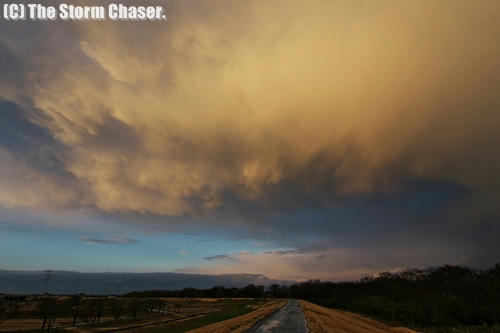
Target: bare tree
{"points": [[136, 305], [8, 309], [173, 307], [48, 309], [117, 307], [76, 304], [98, 307], [161, 306], [86, 309]]}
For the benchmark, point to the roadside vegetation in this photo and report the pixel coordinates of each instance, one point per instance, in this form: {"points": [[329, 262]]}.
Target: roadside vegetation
{"points": [[323, 320], [444, 299]]}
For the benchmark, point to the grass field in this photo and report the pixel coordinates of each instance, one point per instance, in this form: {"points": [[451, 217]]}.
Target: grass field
{"points": [[226, 309], [98, 314]]}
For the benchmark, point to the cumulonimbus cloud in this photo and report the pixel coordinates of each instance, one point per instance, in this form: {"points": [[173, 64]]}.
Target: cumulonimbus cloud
{"points": [[246, 111], [169, 127]]}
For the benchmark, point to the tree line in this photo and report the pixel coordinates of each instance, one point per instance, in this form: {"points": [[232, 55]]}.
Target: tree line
{"points": [[447, 296]]}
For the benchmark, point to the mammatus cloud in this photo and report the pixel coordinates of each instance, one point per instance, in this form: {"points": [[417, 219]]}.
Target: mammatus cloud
{"points": [[118, 240], [321, 123], [171, 125]]}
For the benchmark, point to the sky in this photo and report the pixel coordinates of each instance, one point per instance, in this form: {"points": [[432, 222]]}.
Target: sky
{"points": [[295, 139]]}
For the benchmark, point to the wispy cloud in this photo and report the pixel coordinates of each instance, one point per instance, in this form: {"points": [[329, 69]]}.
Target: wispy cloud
{"points": [[183, 253], [218, 257], [114, 240], [285, 252]]}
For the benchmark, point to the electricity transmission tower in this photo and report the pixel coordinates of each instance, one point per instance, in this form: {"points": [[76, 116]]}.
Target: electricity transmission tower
{"points": [[46, 281]]}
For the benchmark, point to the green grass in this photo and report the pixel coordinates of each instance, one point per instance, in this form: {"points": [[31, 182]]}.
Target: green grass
{"points": [[229, 311]]}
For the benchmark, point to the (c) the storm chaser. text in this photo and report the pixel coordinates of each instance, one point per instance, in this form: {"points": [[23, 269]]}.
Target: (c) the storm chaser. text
{"points": [[39, 12]]}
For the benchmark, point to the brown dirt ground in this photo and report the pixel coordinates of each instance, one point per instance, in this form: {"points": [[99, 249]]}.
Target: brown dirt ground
{"points": [[324, 320], [241, 323]]}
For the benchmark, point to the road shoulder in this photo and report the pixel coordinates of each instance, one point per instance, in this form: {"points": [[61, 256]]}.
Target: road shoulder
{"points": [[323, 320], [241, 323]]}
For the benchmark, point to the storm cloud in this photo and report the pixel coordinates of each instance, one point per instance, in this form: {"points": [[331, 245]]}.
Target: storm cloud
{"points": [[360, 134]]}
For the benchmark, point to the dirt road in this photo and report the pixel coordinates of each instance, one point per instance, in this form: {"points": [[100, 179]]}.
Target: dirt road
{"points": [[288, 319]]}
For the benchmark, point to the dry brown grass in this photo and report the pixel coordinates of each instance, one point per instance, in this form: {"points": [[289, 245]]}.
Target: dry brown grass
{"points": [[241, 323], [208, 300], [18, 324], [323, 320]]}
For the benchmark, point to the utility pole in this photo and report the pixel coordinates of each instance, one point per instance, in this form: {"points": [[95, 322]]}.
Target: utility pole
{"points": [[46, 281]]}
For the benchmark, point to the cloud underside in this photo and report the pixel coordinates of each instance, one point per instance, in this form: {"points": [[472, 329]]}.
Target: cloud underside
{"points": [[343, 122]]}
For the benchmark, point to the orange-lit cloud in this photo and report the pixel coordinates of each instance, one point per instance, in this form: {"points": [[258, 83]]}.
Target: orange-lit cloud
{"points": [[279, 103], [247, 96]]}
